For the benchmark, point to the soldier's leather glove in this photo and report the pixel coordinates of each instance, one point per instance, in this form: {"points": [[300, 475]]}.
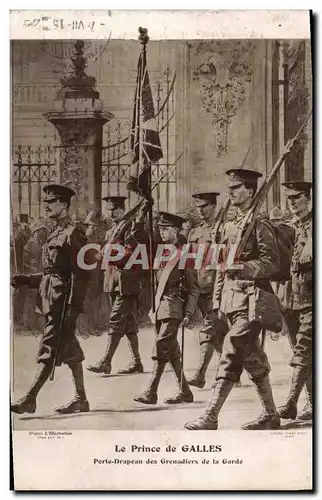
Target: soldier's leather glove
{"points": [[186, 320], [19, 280]]}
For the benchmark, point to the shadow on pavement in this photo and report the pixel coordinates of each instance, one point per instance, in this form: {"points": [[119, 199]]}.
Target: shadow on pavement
{"points": [[103, 411], [297, 424]]}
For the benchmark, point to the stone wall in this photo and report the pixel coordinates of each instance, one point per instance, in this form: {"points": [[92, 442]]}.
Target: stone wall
{"points": [[222, 101]]}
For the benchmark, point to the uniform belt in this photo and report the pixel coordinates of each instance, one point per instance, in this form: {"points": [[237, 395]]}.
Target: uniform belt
{"points": [[54, 270]]}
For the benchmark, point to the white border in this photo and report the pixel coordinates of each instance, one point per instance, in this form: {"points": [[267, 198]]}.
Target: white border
{"points": [[4, 194], [162, 25]]}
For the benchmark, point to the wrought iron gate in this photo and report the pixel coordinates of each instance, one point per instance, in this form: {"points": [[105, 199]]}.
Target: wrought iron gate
{"points": [[33, 167]]}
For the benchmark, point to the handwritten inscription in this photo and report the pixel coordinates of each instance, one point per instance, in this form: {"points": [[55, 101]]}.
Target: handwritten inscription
{"points": [[46, 23]]}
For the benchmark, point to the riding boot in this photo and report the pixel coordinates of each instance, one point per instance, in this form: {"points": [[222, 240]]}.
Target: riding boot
{"points": [[299, 378], [104, 366], [136, 365], [184, 395], [307, 412], [269, 419], [209, 420], [206, 353], [150, 396], [79, 403], [27, 404]]}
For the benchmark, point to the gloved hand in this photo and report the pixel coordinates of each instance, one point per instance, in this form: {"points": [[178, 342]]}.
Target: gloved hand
{"points": [[186, 320], [144, 209], [19, 280]]}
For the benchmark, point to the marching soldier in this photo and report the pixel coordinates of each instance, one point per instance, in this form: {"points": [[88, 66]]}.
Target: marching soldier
{"points": [[170, 312], [62, 287], [96, 305], [245, 297], [124, 286], [298, 303], [20, 239], [211, 334]]}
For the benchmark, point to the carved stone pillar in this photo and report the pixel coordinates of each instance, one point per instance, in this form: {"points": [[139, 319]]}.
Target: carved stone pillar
{"points": [[182, 143], [296, 106], [308, 79], [78, 116], [261, 119]]}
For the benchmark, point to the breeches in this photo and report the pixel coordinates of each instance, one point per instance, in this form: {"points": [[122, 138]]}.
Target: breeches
{"points": [[123, 316], [57, 343], [213, 329], [242, 349], [166, 344], [300, 326]]}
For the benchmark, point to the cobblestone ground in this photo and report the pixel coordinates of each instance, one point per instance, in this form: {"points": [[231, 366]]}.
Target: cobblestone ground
{"points": [[111, 397]]}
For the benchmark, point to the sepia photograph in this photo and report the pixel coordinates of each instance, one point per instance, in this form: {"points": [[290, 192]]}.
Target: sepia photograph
{"points": [[161, 236]]}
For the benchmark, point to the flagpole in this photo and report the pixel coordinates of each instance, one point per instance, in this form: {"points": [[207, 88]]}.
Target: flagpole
{"points": [[144, 38]]}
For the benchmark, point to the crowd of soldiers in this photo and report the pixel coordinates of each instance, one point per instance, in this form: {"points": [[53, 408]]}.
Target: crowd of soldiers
{"points": [[237, 303]]}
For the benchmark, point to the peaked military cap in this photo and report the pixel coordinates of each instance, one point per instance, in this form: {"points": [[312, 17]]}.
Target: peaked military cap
{"points": [[296, 187], [54, 191], [115, 201], [202, 199], [168, 219], [238, 176]]}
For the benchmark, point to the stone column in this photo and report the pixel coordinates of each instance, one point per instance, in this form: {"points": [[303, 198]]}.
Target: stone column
{"points": [[261, 121], [182, 143], [78, 116], [308, 80]]}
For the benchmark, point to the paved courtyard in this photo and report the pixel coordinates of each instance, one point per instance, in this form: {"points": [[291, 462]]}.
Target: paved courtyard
{"points": [[111, 397]]}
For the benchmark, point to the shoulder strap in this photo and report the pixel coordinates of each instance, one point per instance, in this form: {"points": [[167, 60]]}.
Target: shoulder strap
{"points": [[164, 279]]}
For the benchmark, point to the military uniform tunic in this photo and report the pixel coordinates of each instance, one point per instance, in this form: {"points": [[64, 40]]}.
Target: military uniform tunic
{"points": [[62, 287], [296, 297], [213, 329], [170, 310], [124, 285], [247, 300]]}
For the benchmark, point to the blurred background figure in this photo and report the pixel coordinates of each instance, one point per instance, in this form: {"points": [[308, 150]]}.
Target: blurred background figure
{"points": [[97, 307], [19, 238], [186, 227], [39, 230]]}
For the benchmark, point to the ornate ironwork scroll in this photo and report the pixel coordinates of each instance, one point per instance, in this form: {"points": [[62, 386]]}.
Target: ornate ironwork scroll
{"points": [[224, 76]]}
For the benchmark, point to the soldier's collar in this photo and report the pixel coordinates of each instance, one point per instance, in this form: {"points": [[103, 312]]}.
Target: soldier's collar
{"points": [[240, 214], [210, 222], [64, 221], [59, 225], [298, 221]]}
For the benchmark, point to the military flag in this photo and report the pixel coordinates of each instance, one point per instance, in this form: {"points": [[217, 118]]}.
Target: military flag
{"points": [[145, 141]]}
